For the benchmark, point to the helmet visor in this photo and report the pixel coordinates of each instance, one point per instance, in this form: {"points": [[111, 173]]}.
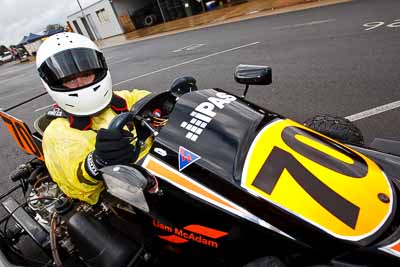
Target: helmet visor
{"points": [[68, 64]]}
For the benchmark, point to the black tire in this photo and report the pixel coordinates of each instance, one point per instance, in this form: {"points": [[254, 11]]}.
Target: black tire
{"points": [[337, 128], [268, 261], [150, 20]]}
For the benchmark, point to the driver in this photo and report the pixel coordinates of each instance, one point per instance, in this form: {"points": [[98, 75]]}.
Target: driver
{"points": [[77, 143]]}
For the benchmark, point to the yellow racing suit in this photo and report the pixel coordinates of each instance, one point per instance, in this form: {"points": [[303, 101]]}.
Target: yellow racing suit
{"points": [[65, 150]]}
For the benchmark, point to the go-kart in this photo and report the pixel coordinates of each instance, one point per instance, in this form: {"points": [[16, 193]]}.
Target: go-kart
{"points": [[232, 184]]}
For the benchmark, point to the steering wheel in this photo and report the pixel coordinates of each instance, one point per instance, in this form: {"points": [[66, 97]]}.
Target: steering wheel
{"points": [[141, 114]]}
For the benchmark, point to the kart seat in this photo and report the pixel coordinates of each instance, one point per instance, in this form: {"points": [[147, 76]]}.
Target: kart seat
{"points": [[41, 123]]}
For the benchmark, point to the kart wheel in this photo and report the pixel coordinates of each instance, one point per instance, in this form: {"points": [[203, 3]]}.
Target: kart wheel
{"points": [[268, 261], [149, 20], [337, 128]]}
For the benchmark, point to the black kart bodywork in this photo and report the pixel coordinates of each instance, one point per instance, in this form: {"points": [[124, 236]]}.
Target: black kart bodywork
{"points": [[222, 148]]}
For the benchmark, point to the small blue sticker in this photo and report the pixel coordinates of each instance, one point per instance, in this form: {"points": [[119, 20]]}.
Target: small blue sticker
{"points": [[186, 158]]}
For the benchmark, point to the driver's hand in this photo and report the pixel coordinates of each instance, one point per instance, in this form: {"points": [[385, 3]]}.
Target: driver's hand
{"points": [[112, 147]]}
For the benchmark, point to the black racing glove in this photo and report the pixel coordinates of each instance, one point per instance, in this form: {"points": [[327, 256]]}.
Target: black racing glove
{"points": [[112, 147]]}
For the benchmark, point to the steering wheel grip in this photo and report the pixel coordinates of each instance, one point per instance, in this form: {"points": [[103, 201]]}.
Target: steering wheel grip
{"points": [[183, 85], [119, 121]]}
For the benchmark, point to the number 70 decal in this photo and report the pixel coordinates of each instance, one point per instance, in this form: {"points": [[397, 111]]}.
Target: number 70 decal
{"points": [[318, 180]]}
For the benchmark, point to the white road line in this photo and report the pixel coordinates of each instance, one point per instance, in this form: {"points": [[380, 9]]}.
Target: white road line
{"points": [[183, 48], [373, 111], [10, 79], [194, 47], [39, 109], [187, 62], [118, 61], [14, 69], [303, 24], [19, 93], [16, 77], [188, 48]]}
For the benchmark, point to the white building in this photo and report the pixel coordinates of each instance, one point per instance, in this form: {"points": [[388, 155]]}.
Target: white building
{"points": [[97, 21], [107, 18]]}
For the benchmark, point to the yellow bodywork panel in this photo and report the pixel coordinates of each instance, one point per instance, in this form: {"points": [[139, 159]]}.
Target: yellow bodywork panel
{"points": [[317, 179]]}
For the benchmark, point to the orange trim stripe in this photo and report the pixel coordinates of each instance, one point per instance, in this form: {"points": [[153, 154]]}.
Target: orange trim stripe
{"points": [[173, 239], [396, 247], [164, 172], [209, 232]]}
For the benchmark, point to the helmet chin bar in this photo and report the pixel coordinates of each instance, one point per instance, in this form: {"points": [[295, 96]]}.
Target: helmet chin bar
{"points": [[86, 101]]}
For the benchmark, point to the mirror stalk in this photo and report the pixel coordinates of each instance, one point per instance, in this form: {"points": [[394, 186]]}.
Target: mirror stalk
{"points": [[245, 91]]}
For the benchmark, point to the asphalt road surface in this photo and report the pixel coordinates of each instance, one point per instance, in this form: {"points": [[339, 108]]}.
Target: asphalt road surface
{"points": [[341, 59]]}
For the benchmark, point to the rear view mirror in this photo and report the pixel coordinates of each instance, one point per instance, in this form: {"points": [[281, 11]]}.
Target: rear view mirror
{"points": [[127, 184], [252, 74]]}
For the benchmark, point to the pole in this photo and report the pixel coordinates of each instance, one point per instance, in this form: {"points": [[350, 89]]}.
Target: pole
{"points": [[88, 22], [162, 13], [203, 6], [80, 7]]}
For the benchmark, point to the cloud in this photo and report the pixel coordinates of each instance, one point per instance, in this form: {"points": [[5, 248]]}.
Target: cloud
{"points": [[21, 17]]}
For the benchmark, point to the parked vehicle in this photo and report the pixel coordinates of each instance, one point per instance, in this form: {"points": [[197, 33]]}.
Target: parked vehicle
{"points": [[226, 183], [23, 57], [6, 57]]}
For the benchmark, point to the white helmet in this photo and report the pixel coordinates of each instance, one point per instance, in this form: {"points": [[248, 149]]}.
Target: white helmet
{"points": [[65, 55]]}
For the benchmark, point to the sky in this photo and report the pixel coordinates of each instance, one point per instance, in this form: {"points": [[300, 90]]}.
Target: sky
{"points": [[21, 17]]}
